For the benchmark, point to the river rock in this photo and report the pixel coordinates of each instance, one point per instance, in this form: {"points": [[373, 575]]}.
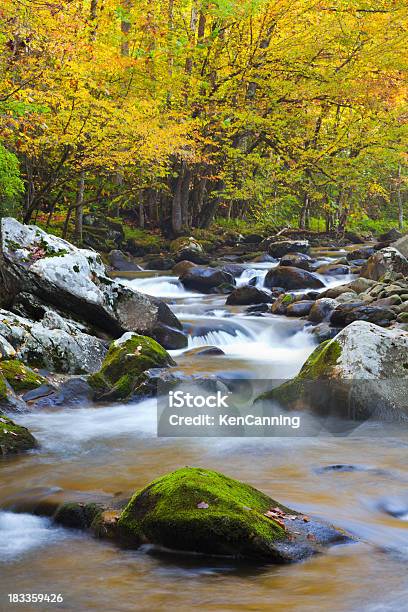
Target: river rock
{"points": [[385, 261], [344, 314], [120, 262], [54, 344], [300, 308], [362, 253], [297, 260], [158, 262], [264, 258], [361, 373], [207, 280], [123, 368], [234, 269], [75, 280], [202, 511], [292, 278], [402, 245], [333, 269], [322, 309], [188, 249], [183, 266], [390, 236], [283, 247], [14, 438], [245, 295]]}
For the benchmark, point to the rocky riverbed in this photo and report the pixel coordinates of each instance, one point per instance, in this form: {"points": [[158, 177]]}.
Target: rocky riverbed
{"points": [[84, 348]]}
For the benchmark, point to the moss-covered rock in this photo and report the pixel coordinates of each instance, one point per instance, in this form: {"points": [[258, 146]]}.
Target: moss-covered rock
{"points": [[123, 368], [14, 438], [203, 511], [20, 376]]}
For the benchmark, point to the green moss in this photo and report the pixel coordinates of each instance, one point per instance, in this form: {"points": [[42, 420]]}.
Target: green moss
{"points": [[288, 299], [231, 520], [317, 366], [19, 376], [123, 368], [14, 438]]}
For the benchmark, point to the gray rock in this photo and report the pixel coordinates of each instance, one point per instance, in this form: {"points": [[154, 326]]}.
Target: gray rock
{"points": [[206, 279], [54, 344], [385, 261], [322, 309], [120, 262], [297, 260], [75, 280], [248, 295]]}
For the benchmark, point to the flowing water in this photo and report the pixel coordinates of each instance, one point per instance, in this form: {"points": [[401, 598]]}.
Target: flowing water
{"points": [[114, 450]]}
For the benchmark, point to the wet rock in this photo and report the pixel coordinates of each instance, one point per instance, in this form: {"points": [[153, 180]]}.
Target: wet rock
{"points": [[123, 368], [75, 281], [258, 308], [158, 262], [333, 269], [344, 314], [200, 351], [299, 309], [361, 374], [120, 262], [283, 247], [14, 438], [54, 344], [264, 258], [9, 400], [362, 253], [183, 266], [323, 331], [234, 269], [297, 260], [385, 261], [206, 280], [322, 309], [281, 305], [248, 295], [201, 511], [72, 392], [292, 278]]}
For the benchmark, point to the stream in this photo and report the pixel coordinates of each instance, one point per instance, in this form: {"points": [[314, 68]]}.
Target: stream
{"points": [[114, 450]]}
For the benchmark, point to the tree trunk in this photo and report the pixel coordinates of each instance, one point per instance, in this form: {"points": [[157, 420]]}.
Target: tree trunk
{"points": [[304, 213], [399, 201], [79, 209]]}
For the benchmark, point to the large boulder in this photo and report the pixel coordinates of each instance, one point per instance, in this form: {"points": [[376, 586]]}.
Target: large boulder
{"points": [[344, 314], [14, 438], [20, 376], [248, 295], [75, 281], [123, 369], [402, 246], [283, 247], [390, 236], [188, 249], [207, 280], [202, 511], [361, 253], [361, 373], [385, 261], [288, 277], [54, 343]]}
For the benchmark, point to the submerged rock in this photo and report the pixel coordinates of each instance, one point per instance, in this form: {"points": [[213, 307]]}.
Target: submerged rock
{"points": [[292, 278], [14, 438], [201, 511], [123, 368], [361, 373], [75, 280]]}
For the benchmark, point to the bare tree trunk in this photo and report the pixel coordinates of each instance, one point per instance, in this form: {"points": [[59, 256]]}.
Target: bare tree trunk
{"points": [[79, 209], [304, 213], [399, 201]]}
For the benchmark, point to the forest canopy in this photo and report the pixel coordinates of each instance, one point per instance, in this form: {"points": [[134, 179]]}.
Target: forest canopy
{"points": [[170, 113]]}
